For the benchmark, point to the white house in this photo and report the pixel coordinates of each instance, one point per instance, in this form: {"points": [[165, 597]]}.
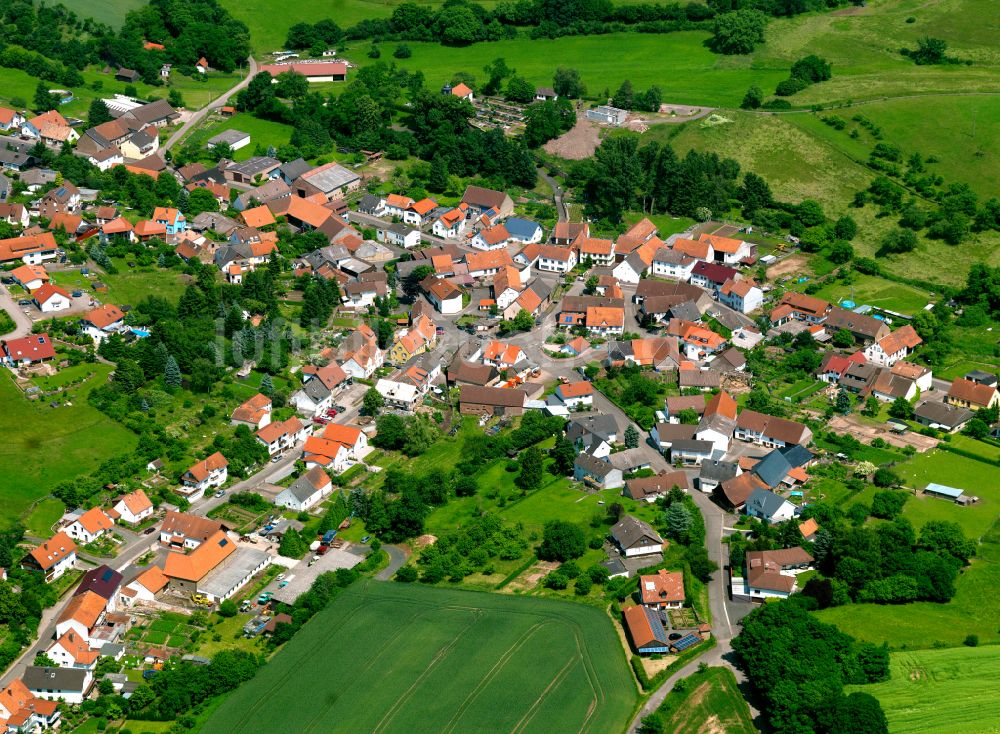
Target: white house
{"points": [[635, 537], [772, 574], [631, 269], [70, 685], [134, 507], [283, 435], [308, 490], [206, 474], [492, 238], [555, 259], [82, 614], [523, 231], [145, 586], [50, 298], [672, 264], [399, 235], [741, 295], [54, 557], [892, 348], [73, 651], [575, 394], [90, 526], [726, 249], [766, 505], [397, 394], [451, 224], [445, 296]]}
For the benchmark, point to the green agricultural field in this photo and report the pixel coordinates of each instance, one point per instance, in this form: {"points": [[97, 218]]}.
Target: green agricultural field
{"points": [[974, 609], [262, 132], [941, 691], [65, 441], [679, 63], [398, 658], [128, 285], [711, 702], [111, 12]]}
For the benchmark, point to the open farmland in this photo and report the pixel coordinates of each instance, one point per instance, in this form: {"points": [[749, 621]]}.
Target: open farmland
{"points": [[396, 658], [710, 703], [941, 691]]}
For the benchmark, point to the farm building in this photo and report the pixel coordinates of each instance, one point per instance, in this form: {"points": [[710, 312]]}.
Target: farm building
{"points": [[235, 139], [315, 71], [608, 115], [944, 492]]}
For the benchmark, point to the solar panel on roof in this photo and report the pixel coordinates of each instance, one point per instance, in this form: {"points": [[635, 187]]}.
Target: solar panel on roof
{"points": [[108, 573], [659, 632], [687, 641]]}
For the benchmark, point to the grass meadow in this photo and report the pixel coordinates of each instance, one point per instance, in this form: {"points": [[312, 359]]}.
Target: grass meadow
{"points": [[974, 609], [111, 12], [63, 443], [262, 132], [941, 691], [396, 658], [711, 702]]}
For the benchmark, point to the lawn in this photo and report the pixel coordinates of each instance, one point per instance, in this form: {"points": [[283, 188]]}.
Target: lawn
{"points": [[941, 691], [72, 439], [878, 293], [710, 702], [418, 659], [128, 285], [262, 132], [974, 609], [44, 515]]}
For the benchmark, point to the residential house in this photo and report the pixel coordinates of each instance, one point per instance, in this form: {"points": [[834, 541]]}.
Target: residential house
{"points": [[712, 276], [490, 401], [677, 404], [594, 251], [695, 341], [399, 235], [567, 233], [604, 320], [27, 350], [887, 386], [575, 394], [634, 266], [800, 307], [502, 355], [965, 393], [370, 204], [283, 435], [892, 348], [450, 224], [485, 264], [49, 298], [420, 337], [767, 506], [491, 238], [15, 214], [660, 353], [726, 249], [359, 355], [70, 685], [718, 422], [73, 651], [186, 531], [942, 416], [808, 529], [205, 474], [523, 230], [481, 200], [445, 296], [145, 586], [644, 626], [103, 581], [694, 249], [664, 435], [921, 376], [362, 293], [335, 447], [533, 299], [53, 557], [635, 537], [82, 614], [10, 119], [417, 212], [102, 321], [672, 263], [90, 526], [735, 491], [597, 472], [506, 286], [254, 413], [662, 590], [770, 431], [630, 461], [555, 259], [461, 91], [587, 429], [396, 205], [396, 394], [714, 472], [305, 492], [649, 489], [691, 452], [741, 295], [863, 328], [133, 508], [772, 574], [30, 249]]}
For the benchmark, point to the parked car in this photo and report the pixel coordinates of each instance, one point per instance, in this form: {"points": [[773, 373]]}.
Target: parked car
{"points": [[24, 302], [149, 531], [275, 459], [366, 539], [220, 493]]}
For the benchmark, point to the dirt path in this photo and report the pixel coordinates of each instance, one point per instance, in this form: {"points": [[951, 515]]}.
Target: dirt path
{"points": [[215, 104]]}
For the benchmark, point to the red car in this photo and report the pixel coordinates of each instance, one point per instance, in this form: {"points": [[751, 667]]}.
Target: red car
{"points": [[320, 421], [331, 413]]}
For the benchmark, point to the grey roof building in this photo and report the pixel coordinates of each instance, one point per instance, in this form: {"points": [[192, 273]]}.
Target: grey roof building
{"points": [[772, 469], [636, 537], [232, 138], [293, 169], [585, 426], [764, 504]]}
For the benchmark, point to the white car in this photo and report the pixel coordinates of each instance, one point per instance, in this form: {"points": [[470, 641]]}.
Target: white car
{"points": [[280, 576]]}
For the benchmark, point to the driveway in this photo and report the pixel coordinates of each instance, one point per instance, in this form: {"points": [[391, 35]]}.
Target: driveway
{"points": [[215, 104], [22, 322]]}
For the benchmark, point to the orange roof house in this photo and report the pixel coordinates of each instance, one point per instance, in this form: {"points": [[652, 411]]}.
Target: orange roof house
{"points": [[57, 548], [196, 565], [153, 579], [85, 608], [461, 90], [199, 472], [722, 244], [258, 216], [253, 411], [95, 521], [664, 588]]}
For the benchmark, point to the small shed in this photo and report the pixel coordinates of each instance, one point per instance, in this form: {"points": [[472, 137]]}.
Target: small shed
{"points": [[127, 75]]}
